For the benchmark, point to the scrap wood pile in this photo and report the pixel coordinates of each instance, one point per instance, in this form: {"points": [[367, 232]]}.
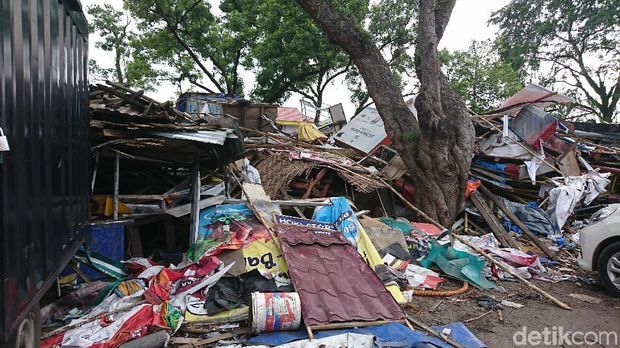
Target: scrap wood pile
{"points": [[148, 148], [318, 242]]}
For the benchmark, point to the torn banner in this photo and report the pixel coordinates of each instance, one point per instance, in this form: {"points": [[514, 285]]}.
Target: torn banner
{"points": [[233, 232]]}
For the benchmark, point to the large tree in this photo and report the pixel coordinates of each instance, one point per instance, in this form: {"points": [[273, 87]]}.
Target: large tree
{"points": [[437, 147], [480, 76], [573, 43], [113, 26]]}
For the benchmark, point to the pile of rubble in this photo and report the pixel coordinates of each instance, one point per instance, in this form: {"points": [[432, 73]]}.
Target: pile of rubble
{"points": [[294, 235]]}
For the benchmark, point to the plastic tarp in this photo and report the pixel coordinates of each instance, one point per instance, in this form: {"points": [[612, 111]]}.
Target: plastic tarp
{"points": [[341, 214], [532, 216], [347, 340], [394, 335], [458, 264], [564, 198], [308, 132]]}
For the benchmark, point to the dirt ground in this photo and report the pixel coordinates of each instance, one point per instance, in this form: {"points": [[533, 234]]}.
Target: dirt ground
{"points": [[537, 314]]}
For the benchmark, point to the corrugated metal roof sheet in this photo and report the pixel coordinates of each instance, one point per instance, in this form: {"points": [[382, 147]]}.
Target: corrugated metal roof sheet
{"points": [[535, 94], [332, 280], [291, 114], [203, 136]]}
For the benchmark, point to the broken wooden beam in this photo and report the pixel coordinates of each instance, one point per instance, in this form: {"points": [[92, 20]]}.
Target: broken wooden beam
{"points": [[494, 224], [526, 231]]}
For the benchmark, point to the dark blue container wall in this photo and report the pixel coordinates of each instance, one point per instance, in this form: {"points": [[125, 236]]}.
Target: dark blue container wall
{"points": [[44, 188]]}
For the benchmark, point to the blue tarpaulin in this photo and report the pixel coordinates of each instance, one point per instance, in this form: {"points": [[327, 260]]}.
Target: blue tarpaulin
{"points": [[394, 335]]}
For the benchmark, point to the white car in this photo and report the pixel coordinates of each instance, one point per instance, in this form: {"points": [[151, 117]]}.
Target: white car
{"points": [[600, 247]]}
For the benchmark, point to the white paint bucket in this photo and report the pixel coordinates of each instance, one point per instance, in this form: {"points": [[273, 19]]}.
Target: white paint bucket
{"points": [[275, 311]]}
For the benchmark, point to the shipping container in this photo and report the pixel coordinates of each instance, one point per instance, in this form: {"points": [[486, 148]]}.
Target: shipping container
{"points": [[44, 177]]}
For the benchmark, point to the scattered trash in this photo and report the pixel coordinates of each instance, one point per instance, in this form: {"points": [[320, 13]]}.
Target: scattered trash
{"points": [[488, 302], [301, 241]]}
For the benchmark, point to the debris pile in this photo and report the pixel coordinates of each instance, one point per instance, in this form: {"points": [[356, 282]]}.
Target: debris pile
{"points": [[259, 236]]}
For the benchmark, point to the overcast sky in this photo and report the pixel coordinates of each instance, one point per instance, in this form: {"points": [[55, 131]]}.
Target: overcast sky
{"points": [[468, 22]]}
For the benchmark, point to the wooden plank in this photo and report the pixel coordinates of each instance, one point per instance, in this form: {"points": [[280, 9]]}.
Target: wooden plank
{"points": [[171, 240], [296, 208], [260, 203], [136, 241], [311, 202], [494, 224], [142, 197], [195, 194], [185, 209], [314, 181], [528, 233]]}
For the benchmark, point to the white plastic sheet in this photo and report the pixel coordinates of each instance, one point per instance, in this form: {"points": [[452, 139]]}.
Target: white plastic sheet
{"points": [[564, 198]]}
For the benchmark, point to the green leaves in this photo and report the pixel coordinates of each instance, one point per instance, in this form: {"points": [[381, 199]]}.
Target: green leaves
{"points": [[480, 76], [189, 41], [289, 53]]}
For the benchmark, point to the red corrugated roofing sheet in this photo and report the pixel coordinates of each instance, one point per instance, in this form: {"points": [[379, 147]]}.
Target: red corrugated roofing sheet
{"points": [[291, 114], [535, 93], [332, 280]]}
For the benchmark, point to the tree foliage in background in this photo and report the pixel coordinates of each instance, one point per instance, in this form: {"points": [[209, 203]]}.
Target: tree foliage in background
{"points": [[289, 53], [193, 44], [573, 44], [113, 27], [188, 41], [392, 26], [480, 76]]}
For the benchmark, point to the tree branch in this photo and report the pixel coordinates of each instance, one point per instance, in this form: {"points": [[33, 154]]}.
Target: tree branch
{"points": [[188, 49], [235, 72], [197, 84]]}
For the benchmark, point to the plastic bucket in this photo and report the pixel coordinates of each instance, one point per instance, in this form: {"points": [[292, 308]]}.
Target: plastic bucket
{"points": [[275, 311]]}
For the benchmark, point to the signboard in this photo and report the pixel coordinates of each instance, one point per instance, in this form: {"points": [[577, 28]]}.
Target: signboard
{"points": [[364, 132], [292, 220]]}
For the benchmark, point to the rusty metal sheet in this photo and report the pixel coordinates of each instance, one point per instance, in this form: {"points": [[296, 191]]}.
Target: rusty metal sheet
{"points": [[332, 279], [539, 95]]}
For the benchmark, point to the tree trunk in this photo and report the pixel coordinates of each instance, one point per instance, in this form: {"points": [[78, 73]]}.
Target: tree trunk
{"points": [[437, 150]]}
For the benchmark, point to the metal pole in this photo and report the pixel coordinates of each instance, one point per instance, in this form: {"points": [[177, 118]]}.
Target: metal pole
{"points": [[116, 182], [92, 182], [195, 192]]}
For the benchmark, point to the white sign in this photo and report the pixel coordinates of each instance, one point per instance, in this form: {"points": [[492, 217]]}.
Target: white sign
{"points": [[364, 132]]}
